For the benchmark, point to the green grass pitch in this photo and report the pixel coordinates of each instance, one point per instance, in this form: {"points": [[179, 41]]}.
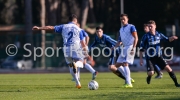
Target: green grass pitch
{"points": [[60, 87]]}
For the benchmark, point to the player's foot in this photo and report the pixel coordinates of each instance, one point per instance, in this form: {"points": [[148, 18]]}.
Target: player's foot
{"points": [[148, 79], [78, 86], [127, 86], [158, 76], [94, 75], [132, 80], [177, 85]]}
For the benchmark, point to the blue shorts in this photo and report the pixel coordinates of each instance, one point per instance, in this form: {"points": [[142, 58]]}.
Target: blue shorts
{"points": [[113, 58]]}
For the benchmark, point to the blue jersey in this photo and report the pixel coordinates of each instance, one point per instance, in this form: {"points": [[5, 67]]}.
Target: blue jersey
{"points": [[71, 33], [151, 44], [84, 34], [105, 41]]}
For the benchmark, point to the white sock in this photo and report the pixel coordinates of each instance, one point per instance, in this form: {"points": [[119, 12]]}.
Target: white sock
{"points": [[89, 68], [74, 75], [127, 74], [121, 69], [78, 72]]}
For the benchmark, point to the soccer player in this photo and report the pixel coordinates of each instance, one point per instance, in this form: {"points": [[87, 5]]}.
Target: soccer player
{"points": [[86, 65], [105, 41], [129, 38], [150, 44], [73, 40], [156, 68]]}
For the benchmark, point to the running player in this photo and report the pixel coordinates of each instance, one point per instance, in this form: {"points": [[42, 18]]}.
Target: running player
{"points": [[73, 40], [156, 68], [129, 38], [150, 44]]}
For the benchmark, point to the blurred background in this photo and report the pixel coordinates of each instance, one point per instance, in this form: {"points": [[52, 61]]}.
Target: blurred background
{"points": [[18, 16]]}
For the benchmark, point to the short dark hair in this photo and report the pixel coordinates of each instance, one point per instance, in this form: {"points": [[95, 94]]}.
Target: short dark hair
{"points": [[124, 15], [72, 17], [151, 22], [145, 25], [97, 28]]}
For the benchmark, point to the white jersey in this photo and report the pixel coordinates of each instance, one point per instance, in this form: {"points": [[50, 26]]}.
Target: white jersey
{"points": [[126, 34], [71, 34]]}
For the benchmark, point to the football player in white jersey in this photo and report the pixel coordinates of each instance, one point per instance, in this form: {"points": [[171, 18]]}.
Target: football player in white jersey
{"points": [[129, 38], [73, 40], [86, 65]]}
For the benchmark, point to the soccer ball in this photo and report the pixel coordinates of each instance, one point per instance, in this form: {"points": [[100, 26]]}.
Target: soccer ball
{"points": [[93, 85]]}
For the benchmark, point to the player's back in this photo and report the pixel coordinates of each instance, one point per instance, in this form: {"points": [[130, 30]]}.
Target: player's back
{"points": [[71, 34]]}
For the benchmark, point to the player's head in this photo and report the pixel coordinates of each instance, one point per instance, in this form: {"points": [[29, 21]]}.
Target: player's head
{"points": [[146, 28], [152, 26], [73, 18], [99, 31], [124, 19]]}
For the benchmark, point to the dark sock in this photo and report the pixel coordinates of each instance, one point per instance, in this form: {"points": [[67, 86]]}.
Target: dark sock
{"points": [[148, 79], [173, 76], [120, 75]]}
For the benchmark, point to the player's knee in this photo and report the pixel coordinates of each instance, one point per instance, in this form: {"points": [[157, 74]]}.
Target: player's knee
{"points": [[125, 64], [168, 68], [112, 67], [150, 73]]}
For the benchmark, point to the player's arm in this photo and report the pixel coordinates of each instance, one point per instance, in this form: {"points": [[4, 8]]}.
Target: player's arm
{"points": [[142, 48], [57, 28], [119, 42], [43, 28], [86, 37], [134, 34], [111, 42], [170, 39], [87, 40]]}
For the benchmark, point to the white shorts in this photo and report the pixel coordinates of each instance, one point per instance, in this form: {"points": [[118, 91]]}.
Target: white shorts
{"points": [[72, 53], [125, 56]]}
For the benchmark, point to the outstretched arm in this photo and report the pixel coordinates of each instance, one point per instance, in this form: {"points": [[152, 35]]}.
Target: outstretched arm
{"points": [[172, 38], [43, 28]]}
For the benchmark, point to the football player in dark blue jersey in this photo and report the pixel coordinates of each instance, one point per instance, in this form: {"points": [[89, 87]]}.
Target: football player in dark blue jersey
{"points": [[150, 43]]}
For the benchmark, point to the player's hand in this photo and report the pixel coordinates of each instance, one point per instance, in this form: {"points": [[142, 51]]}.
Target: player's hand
{"points": [[35, 28], [172, 38], [141, 62]]}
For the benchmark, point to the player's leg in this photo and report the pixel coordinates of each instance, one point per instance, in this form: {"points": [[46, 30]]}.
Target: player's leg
{"points": [[150, 70], [158, 71], [163, 65], [73, 69], [90, 69]]}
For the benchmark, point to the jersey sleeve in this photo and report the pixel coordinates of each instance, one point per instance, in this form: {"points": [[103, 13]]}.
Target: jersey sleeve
{"points": [[143, 43], [58, 28], [81, 35], [163, 37], [84, 34], [133, 29], [111, 42]]}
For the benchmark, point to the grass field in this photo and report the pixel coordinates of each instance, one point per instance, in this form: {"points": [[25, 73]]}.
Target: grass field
{"points": [[60, 87]]}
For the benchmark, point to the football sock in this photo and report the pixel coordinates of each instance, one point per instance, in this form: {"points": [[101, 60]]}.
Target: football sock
{"points": [[173, 76], [121, 69], [89, 68], [119, 74], [74, 75], [148, 79], [127, 73], [78, 72]]}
